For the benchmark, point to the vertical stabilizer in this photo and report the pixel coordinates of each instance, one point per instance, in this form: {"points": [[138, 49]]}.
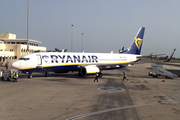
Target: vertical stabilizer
{"points": [[121, 50], [136, 46]]}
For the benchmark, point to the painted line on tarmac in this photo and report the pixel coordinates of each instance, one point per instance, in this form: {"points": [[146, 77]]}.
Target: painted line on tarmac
{"points": [[111, 89], [113, 109]]}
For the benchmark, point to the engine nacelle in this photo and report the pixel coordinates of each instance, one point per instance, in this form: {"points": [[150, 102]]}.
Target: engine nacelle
{"points": [[88, 70]]}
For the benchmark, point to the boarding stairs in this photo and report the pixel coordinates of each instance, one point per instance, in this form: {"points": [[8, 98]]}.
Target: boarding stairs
{"points": [[8, 62], [159, 71]]}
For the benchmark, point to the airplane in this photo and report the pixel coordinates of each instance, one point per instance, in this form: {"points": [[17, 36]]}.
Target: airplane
{"points": [[85, 63]]}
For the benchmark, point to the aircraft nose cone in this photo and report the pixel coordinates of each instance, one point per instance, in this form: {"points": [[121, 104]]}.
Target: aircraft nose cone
{"points": [[14, 64]]}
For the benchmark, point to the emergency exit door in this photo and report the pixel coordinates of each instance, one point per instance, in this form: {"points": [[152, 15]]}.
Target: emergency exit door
{"points": [[39, 61]]}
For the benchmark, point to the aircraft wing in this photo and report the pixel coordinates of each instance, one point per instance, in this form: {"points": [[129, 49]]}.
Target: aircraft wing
{"points": [[168, 59]]}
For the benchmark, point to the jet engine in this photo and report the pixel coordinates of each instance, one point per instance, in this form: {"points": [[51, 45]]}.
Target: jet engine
{"points": [[88, 70]]}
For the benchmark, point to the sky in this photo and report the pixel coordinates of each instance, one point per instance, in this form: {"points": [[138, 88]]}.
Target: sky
{"points": [[107, 25]]}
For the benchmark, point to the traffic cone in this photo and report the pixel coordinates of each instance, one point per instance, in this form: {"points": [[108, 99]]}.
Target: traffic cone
{"points": [[163, 79]]}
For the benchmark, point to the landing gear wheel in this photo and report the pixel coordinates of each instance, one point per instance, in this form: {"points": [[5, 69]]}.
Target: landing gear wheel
{"points": [[30, 76]]}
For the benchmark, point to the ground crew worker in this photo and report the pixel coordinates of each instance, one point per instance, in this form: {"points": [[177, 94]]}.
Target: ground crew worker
{"points": [[124, 76], [14, 76], [6, 65], [2, 72], [96, 77]]}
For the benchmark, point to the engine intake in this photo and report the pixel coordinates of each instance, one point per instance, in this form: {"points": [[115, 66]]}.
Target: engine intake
{"points": [[85, 70]]}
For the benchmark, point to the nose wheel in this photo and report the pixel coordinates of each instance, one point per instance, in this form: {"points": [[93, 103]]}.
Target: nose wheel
{"points": [[29, 76]]}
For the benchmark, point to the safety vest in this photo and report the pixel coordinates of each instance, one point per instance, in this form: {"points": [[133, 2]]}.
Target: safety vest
{"points": [[13, 75]]}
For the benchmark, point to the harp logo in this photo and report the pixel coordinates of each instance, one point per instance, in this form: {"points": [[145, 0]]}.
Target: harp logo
{"points": [[138, 42]]}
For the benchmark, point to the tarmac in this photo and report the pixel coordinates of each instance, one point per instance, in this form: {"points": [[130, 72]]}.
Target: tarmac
{"points": [[70, 97]]}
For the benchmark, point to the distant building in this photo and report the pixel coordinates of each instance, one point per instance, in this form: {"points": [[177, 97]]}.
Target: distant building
{"points": [[15, 48]]}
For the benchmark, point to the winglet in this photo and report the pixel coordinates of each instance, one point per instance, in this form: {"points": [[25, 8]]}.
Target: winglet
{"points": [[170, 57]]}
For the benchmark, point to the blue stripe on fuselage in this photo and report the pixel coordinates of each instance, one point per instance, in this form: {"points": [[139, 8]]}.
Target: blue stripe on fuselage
{"points": [[54, 68]]}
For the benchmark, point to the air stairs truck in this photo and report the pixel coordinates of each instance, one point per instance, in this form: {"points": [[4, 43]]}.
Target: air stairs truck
{"points": [[157, 70]]}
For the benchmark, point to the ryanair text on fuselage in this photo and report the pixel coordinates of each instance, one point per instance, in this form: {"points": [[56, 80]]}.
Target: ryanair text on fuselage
{"points": [[70, 58]]}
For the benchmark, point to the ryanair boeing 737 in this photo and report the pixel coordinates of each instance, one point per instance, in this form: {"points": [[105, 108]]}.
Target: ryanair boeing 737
{"points": [[85, 63]]}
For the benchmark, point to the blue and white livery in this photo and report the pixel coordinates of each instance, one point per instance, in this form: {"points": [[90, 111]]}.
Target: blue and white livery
{"points": [[85, 63]]}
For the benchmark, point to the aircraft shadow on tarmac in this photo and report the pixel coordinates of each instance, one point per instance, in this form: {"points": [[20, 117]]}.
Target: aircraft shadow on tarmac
{"points": [[75, 75], [68, 75]]}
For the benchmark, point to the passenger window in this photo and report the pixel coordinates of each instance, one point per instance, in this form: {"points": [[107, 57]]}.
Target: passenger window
{"points": [[24, 58]]}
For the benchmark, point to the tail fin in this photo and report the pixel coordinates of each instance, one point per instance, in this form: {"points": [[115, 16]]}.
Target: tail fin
{"points": [[136, 46], [170, 57], [121, 50]]}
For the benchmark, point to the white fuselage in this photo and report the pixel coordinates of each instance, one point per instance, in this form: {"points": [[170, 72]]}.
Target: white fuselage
{"points": [[64, 61]]}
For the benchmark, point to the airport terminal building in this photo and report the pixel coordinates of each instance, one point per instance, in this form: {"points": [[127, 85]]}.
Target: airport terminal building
{"points": [[13, 48]]}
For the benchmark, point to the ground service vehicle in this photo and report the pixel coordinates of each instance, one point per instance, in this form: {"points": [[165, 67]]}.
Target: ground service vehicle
{"points": [[7, 75]]}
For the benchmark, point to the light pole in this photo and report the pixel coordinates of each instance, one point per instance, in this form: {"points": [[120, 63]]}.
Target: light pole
{"points": [[27, 26], [72, 38], [82, 43]]}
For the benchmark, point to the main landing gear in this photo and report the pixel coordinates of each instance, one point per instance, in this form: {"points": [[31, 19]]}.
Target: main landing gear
{"points": [[30, 76]]}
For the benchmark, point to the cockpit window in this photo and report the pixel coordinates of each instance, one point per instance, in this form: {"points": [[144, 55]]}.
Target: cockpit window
{"points": [[24, 58]]}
